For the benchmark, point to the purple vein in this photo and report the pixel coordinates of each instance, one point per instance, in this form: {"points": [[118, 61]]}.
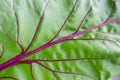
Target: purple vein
{"points": [[38, 26], [31, 71], [97, 26], [73, 73], [2, 50], [111, 12], [53, 71], [17, 25], [71, 36], [18, 57], [64, 39], [8, 77], [55, 76], [65, 21], [60, 60], [76, 59], [90, 9]]}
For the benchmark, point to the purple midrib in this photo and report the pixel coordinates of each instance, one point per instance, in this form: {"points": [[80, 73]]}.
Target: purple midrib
{"points": [[21, 56]]}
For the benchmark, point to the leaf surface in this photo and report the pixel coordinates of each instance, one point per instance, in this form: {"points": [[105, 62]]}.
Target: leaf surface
{"points": [[90, 56]]}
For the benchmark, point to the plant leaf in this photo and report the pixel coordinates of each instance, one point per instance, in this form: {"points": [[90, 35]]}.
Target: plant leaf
{"points": [[91, 56]]}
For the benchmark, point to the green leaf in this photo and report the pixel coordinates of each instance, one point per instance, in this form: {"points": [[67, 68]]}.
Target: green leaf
{"points": [[28, 24]]}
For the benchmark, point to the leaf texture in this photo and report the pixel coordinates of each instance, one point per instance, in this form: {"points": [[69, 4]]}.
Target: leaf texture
{"points": [[28, 24]]}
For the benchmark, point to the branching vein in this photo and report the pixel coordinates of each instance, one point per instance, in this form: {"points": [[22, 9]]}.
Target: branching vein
{"points": [[83, 19], [54, 71], [17, 25], [112, 11], [65, 21], [38, 26]]}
